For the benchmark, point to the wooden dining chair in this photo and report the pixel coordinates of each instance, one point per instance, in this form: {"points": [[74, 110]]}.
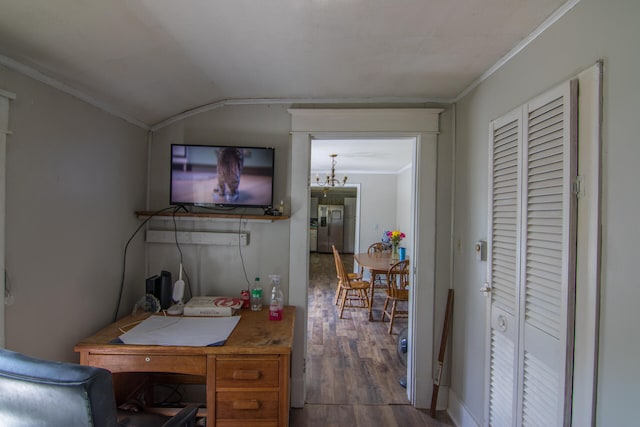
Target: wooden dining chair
{"points": [[351, 276], [377, 276], [397, 291], [353, 292]]}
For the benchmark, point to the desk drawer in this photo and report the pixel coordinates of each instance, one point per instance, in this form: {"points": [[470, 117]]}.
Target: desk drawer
{"points": [[245, 373], [247, 405], [194, 365]]}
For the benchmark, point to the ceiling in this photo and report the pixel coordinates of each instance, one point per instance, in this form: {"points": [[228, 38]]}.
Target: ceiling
{"points": [[150, 60], [360, 156]]}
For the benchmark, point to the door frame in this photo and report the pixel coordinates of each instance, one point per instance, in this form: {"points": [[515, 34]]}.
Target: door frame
{"points": [[418, 123], [5, 98]]}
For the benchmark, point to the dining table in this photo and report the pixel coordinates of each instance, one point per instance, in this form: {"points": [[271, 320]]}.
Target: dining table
{"points": [[376, 263]]}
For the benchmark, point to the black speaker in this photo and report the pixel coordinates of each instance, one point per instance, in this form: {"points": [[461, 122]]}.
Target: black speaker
{"points": [[152, 285], [166, 290]]}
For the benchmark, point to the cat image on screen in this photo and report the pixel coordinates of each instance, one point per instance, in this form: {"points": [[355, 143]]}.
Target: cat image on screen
{"points": [[230, 164]]}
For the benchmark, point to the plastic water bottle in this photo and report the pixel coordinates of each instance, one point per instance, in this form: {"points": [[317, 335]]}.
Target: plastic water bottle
{"points": [[277, 299], [256, 295]]}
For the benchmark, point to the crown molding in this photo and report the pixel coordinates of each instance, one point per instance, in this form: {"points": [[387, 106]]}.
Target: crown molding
{"points": [[552, 19]]}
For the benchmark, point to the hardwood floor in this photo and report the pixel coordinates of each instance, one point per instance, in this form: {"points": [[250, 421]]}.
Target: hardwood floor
{"points": [[353, 369]]}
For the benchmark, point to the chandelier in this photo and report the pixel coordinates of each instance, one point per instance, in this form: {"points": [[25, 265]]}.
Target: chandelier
{"points": [[331, 180]]}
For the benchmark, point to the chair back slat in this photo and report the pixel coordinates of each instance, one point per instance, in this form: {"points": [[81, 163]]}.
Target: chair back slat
{"points": [[378, 248], [398, 280], [342, 272]]}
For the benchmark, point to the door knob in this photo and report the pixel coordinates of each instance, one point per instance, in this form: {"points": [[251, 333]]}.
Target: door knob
{"points": [[485, 289]]}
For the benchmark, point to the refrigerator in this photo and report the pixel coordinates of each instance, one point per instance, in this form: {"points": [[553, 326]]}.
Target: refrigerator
{"points": [[330, 227], [349, 225]]}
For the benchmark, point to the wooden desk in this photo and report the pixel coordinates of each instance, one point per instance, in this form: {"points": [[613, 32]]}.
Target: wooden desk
{"points": [[376, 263], [247, 379]]}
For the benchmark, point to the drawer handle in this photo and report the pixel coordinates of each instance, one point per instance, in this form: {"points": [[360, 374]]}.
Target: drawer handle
{"points": [[246, 375], [147, 359], [245, 405]]}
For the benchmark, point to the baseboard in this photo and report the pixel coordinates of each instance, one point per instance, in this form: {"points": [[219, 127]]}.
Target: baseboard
{"points": [[458, 413], [297, 393], [443, 398]]}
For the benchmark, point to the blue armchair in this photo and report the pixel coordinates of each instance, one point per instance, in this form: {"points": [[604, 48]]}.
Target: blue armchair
{"points": [[36, 392]]}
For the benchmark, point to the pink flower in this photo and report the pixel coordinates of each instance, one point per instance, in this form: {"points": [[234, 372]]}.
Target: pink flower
{"points": [[395, 236]]}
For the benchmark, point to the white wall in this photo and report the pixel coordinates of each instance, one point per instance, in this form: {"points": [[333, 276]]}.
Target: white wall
{"points": [[223, 270], [591, 31], [377, 212], [75, 175], [404, 207]]}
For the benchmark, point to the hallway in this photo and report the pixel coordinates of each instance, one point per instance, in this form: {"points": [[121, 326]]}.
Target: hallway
{"points": [[353, 369]]}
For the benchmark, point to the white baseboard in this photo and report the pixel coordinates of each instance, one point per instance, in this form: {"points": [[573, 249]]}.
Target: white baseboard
{"points": [[443, 398], [297, 393], [458, 413]]}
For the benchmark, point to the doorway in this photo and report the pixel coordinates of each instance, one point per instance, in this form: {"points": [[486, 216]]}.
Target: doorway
{"points": [[421, 124], [350, 354]]}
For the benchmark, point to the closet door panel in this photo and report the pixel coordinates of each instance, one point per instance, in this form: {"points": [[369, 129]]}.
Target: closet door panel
{"points": [[502, 266]]}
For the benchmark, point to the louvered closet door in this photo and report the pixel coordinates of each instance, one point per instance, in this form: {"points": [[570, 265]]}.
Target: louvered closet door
{"points": [[548, 258], [532, 264], [502, 261]]}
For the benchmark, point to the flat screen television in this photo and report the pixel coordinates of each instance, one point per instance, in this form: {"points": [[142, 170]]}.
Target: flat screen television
{"points": [[225, 176]]}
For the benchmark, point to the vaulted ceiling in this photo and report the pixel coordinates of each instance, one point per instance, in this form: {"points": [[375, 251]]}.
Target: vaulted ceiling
{"points": [[148, 60]]}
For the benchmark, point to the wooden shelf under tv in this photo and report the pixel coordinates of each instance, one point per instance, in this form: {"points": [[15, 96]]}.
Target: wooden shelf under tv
{"points": [[212, 216]]}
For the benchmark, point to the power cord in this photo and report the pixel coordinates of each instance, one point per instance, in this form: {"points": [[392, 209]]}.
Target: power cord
{"points": [[175, 229], [244, 270], [184, 270], [124, 256]]}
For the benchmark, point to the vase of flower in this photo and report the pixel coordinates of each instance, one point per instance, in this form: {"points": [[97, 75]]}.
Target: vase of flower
{"points": [[395, 237]]}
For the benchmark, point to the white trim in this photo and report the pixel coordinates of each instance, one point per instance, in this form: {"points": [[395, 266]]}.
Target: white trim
{"points": [[555, 16], [7, 94], [42, 78], [375, 120], [588, 251], [299, 259], [4, 123], [264, 101], [458, 413]]}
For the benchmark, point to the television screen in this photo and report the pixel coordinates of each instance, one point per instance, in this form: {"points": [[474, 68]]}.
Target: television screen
{"points": [[206, 175]]}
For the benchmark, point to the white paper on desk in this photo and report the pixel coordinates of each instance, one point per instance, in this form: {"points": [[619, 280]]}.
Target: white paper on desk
{"points": [[181, 331]]}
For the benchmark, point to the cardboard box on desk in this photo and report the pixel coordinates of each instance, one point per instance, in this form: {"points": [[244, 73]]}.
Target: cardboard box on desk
{"points": [[212, 306]]}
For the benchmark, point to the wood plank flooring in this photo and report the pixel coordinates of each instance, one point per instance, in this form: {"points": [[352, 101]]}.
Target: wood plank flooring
{"points": [[353, 369]]}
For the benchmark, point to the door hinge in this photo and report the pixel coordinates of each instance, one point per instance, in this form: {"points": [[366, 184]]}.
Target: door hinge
{"points": [[577, 187]]}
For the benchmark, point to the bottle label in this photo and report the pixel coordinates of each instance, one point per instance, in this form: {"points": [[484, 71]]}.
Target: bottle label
{"points": [[257, 293], [275, 313], [244, 295]]}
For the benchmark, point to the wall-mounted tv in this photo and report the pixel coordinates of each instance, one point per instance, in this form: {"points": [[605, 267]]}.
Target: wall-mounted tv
{"points": [[209, 176]]}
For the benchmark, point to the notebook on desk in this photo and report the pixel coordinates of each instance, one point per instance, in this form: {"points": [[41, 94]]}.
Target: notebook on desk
{"points": [[181, 331]]}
